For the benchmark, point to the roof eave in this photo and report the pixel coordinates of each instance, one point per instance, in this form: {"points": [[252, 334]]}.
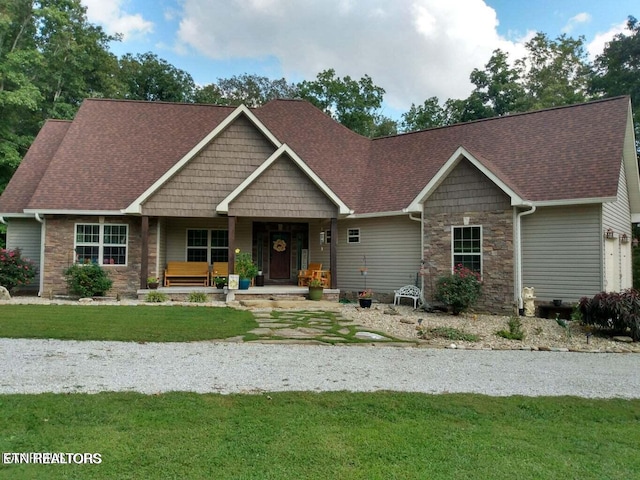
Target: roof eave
{"points": [[223, 207], [445, 170], [136, 206]]}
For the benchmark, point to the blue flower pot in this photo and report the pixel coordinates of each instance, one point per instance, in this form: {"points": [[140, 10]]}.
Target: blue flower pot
{"points": [[244, 283]]}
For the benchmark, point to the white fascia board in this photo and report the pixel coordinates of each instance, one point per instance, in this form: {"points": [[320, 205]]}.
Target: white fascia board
{"points": [[445, 170], [630, 164], [574, 201], [223, 207], [17, 215], [136, 205], [399, 213], [50, 211]]}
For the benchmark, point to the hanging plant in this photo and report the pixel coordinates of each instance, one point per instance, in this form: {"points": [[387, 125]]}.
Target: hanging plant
{"points": [[280, 245]]}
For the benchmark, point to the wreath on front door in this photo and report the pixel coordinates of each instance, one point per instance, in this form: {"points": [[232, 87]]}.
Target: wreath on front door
{"points": [[280, 245]]}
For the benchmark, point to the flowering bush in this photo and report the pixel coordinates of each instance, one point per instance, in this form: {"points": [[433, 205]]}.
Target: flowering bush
{"points": [[460, 289], [15, 270], [367, 293]]}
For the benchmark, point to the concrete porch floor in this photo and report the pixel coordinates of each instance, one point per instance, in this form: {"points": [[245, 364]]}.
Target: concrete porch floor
{"points": [[268, 292]]}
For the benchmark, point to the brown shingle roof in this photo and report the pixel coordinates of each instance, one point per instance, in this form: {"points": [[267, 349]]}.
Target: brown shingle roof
{"points": [[24, 182], [115, 150]]}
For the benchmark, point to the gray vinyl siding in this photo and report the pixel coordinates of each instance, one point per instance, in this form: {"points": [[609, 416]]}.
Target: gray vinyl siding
{"points": [[391, 245], [562, 252], [617, 215], [25, 234]]}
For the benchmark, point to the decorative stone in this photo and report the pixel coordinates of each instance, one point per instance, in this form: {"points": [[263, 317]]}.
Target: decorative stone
{"points": [[623, 339], [407, 320], [4, 294], [369, 336], [85, 300]]}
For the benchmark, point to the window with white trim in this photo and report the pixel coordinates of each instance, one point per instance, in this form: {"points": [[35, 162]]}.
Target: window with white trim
{"points": [[353, 235], [104, 244], [205, 245], [466, 249]]}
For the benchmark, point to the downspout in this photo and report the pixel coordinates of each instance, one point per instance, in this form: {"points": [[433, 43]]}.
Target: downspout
{"points": [[519, 216], [42, 240], [421, 220]]}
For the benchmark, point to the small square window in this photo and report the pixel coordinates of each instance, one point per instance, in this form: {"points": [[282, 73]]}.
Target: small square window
{"points": [[353, 235]]}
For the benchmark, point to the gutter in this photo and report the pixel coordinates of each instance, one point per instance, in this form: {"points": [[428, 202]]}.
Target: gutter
{"points": [[42, 240], [518, 245]]}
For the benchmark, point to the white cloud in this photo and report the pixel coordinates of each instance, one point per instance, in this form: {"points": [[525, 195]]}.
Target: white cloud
{"points": [[414, 49], [596, 46], [575, 21], [113, 18]]}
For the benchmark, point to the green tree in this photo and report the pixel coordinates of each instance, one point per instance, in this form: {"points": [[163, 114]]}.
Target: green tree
{"points": [[353, 103], [554, 72], [250, 90], [428, 115], [617, 70], [51, 59], [498, 86], [147, 77]]}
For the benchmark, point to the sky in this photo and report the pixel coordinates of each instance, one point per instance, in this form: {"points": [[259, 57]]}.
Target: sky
{"points": [[414, 49]]}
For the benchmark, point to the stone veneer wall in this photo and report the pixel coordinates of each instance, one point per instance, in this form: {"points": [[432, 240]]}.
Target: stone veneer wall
{"points": [[498, 255], [59, 254]]}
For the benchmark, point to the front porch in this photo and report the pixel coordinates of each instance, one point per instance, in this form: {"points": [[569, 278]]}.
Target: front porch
{"points": [[268, 292]]}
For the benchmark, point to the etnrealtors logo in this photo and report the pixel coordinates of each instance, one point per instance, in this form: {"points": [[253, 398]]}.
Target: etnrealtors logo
{"points": [[51, 458]]}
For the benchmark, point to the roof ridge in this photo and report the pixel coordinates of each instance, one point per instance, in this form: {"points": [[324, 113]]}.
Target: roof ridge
{"points": [[510, 115]]}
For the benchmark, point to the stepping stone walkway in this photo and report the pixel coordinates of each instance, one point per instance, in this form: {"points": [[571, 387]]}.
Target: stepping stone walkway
{"points": [[305, 326]]}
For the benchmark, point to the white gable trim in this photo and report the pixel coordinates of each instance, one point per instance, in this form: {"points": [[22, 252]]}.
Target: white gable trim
{"points": [[136, 206], [453, 161], [223, 207]]}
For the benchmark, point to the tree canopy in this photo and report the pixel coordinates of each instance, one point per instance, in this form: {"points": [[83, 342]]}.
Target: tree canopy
{"points": [[52, 58]]}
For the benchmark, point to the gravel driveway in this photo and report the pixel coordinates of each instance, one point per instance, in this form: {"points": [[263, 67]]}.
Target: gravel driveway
{"points": [[35, 366]]}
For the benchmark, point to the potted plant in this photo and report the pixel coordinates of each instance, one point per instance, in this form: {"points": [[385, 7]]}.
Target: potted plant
{"points": [[315, 289], [153, 282], [365, 298], [245, 269], [219, 282]]}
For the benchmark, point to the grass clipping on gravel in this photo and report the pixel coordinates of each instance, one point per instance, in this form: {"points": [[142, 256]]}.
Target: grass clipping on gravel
{"points": [[323, 436]]}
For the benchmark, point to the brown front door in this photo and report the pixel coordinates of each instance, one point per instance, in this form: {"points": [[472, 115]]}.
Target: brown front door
{"points": [[280, 255]]}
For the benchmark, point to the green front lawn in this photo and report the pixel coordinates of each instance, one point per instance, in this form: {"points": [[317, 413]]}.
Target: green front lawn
{"points": [[323, 436], [142, 323]]}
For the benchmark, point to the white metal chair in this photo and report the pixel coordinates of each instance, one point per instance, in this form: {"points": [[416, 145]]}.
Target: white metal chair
{"points": [[408, 291]]}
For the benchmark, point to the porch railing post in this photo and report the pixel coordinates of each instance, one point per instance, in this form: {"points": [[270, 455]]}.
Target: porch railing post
{"points": [[144, 251], [333, 255], [232, 243]]}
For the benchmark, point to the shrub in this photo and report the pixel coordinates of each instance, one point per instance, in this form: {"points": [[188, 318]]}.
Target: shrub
{"points": [[156, 297], [15, 270], [619, 312], [515, 329], [197, 297], [87, 280], [459, 290]]}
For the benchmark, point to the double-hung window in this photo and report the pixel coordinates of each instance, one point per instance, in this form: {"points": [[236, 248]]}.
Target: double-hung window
{"points": [[104, 244], [467, 248], [207, 245], [353, 235]]}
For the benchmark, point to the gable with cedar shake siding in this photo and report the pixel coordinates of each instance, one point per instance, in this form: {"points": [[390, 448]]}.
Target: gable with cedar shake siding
{"points": [[525, 199]]}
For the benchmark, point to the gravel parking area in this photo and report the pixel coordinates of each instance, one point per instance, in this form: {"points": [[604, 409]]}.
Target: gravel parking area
{"points": [[36, 366]]}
